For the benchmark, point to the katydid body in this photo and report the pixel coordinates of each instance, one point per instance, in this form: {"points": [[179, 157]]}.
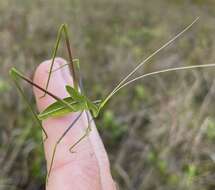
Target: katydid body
{"points": [[77, 101]]}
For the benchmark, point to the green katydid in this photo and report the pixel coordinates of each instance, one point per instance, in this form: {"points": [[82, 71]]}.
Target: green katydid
{"points": [[77, 101]]}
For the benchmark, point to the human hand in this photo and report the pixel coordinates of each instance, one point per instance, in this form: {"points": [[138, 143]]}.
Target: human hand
{"points": [[88, 167]]}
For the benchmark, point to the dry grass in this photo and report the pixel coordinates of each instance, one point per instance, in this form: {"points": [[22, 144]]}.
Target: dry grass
{"points": [[168, 126]]}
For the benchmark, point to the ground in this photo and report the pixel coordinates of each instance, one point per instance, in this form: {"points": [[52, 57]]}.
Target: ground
{"points": [[164, 123]]}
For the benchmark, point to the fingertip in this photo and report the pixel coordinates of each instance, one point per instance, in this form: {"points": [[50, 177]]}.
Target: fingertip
{"points": [[93, 169], [58, 80]]}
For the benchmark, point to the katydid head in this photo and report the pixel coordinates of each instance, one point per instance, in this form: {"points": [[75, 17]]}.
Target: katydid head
{"points": [[74, 93]]}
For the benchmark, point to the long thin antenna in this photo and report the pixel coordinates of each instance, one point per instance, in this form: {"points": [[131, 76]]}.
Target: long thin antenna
{"points": [[164, 71], [147, 59]]}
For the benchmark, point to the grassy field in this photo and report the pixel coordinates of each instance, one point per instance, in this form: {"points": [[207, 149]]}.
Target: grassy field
{"points": [[166, 123]]}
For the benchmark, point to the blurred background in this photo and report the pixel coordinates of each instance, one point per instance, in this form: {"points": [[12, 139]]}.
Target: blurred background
{"points": [[159, 132]]}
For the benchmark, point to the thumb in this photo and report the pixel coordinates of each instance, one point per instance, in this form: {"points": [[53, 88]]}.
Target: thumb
{"points": [[88, 167]]}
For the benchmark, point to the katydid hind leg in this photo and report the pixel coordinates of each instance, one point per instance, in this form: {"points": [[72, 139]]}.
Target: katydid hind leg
{"points": [[54, 53], [62, 29], [71, 60]]}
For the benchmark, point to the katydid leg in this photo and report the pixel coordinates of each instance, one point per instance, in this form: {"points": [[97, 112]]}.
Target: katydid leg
{"points": [[64, 65], [62, 29], [88, 129], [59, 140], [28, 104], [86, 133], [14, 73]]}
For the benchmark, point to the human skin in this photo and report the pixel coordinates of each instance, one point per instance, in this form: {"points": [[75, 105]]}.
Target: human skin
{"points": [[86, 169]]}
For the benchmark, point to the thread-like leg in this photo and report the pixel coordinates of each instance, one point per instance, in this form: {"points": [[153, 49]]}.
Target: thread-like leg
{"points": [[58, 141], [87, 131], [62, 30], [13, 76]]}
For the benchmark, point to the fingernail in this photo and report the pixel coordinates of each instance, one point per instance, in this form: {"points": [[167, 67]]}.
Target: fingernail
{"points": [[65, 72], [57, 82]]}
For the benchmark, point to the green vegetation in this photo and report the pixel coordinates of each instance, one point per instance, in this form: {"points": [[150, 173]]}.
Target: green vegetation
{"points": [[165, 123]]}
